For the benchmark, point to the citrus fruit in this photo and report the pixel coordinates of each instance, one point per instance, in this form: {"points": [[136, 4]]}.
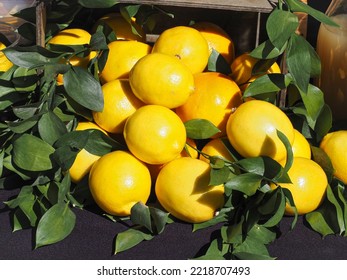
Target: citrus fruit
{"points": [[117, 181], [334, 144], [182, 188], [5, 64], [121, 27], [215, 147], [185, 43], [214, 98], [119, 103], [121, 58], [73, 36], [217, 39], [308, 187], [242, 66], [84, 159], [161, 79], [252, 130], [301, 147], [155, 134]]}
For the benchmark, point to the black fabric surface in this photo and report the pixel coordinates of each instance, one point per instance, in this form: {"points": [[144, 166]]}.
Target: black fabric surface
{"points": [[93, 239]]}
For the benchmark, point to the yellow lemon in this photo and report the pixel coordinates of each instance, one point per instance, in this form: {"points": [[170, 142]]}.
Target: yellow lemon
{"points": [[117, 181], [119, 103], [185, 43], [217, 39], [5, 64], [214, 98], [252, 130], [308, 187], [161, 79], [334, 144], [155, 134], [182, 188], [122, 56]]}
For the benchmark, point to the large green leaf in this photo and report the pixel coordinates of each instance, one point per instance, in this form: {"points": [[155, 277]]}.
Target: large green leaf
{"points": [[267, 50], [81, 86], [32, 56], [32, 153], [280, 25], [55, 225], [299, 6]]}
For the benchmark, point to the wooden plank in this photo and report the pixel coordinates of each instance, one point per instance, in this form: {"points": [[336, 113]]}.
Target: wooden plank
{"points": [[263, 6]]}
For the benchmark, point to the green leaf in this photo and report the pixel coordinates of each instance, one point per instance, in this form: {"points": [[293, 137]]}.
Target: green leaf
{"points": [[51, 128], [269, 83], [274, 206], [323, 123], [56, 224], [248, 183], [217, 63], [334, 200], [25, 80], [64, 187], [98, 41], [302, 61], [220, 176], [160, 219], [32, 153], [214, 251], [99, 143], [200, 129], [289, 151], [262, 234], [280, 25], [81, 86], [140, 215], [32, 56], [267, 50], [299, 6], [217, 219], [251, 249], [94, 4], [262, 166], [313, 100], [128, 239]]}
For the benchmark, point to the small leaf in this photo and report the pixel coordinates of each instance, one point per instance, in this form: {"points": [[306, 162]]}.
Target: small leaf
{"points": [[269, 83], [128, 239], [56, 224], [267, 50], [289, 150], [200, 129], [140, 215], [81, 86], [275, 206], [280, 25], [313, 100], [220, 176], [248, 183], [32, 154], [51, 128], [217, 63], [160, 219]]}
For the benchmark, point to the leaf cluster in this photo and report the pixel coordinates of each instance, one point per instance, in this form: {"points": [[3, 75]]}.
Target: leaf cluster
{"points": [[38, 139]]}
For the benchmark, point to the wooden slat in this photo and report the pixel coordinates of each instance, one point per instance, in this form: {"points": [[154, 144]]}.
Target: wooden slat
{"points": [[263, 6]]}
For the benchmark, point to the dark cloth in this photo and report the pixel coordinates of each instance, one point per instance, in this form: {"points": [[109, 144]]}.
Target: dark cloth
{"points": [[94, 235]]}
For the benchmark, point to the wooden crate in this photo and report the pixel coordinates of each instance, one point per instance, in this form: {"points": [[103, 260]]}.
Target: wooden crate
{"points": [[262, 6]]}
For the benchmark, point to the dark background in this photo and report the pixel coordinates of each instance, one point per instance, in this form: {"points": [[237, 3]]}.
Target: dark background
{"points": [[93, 236]]}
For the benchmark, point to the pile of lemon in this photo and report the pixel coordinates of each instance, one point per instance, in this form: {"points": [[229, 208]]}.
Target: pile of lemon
{"points": [[151, 90]]}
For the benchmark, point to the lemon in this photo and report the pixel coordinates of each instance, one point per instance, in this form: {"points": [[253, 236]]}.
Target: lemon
{"points": [[182, 188], [117, 181]]}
